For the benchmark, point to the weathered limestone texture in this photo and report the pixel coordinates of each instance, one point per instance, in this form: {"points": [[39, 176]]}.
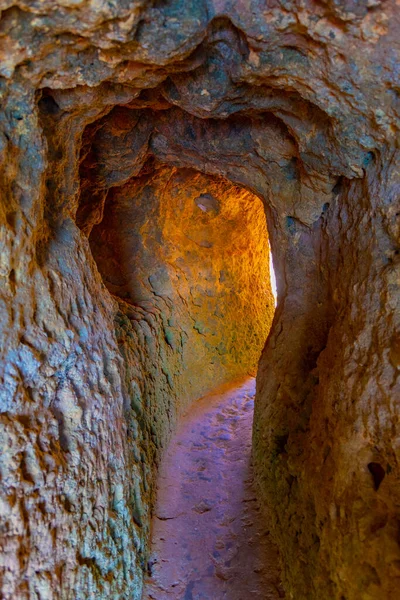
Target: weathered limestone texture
{"points": [[112, 111]]}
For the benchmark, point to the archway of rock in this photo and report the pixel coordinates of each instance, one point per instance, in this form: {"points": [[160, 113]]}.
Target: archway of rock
{"points": [[187, 257], [192, 250], [147, 138], [133, 157]]}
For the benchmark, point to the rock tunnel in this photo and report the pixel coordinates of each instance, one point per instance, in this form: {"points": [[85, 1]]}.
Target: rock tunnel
{"points": [[151, 153]]}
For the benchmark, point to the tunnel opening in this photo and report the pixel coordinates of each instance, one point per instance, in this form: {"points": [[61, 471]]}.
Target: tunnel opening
{"points": [[159, 175], [176, 237], [192, 250], [187, 257], [175, 209]]}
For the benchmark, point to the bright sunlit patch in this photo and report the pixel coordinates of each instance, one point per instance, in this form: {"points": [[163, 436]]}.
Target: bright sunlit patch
{"points": [[272, 276]]}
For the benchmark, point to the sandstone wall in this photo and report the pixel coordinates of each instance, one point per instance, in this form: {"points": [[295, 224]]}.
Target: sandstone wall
{"points": [[333, 459], [191, 251], [297, 103]]}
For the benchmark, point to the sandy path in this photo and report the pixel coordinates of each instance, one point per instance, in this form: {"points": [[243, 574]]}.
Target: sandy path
{"points": [[209, 541]]}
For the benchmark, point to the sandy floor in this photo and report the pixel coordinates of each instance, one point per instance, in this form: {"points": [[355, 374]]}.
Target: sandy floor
{"points": [[209, 541]]}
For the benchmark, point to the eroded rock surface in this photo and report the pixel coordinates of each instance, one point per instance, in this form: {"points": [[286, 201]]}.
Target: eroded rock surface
{"points": [[296, 102], [191, 251]]}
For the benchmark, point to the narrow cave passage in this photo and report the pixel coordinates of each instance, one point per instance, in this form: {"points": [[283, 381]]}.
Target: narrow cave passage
{"points": [[133, 136], [208, 540], [187, 257]]}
